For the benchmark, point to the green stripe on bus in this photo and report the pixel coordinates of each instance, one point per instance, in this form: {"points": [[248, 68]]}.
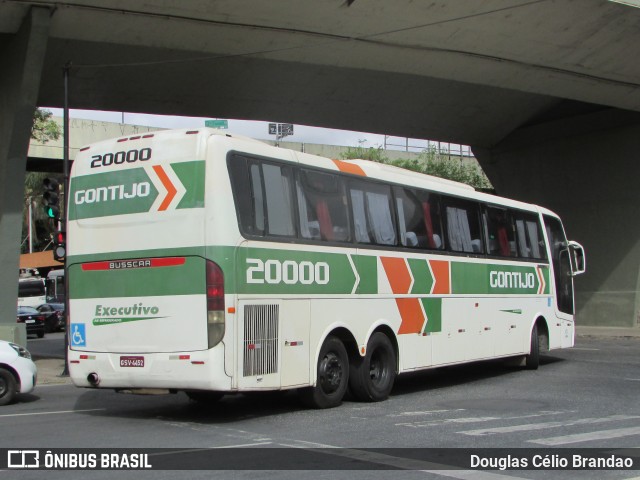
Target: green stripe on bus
{"points": [[131, 190], [281, 272], [269, 271], [422, 277], [187, 279], [367, 267], [113, 193], [494, 279], [433, 310], [191, 174]]}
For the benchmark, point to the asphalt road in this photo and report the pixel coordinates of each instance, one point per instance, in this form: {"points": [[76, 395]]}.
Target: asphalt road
{"points": [[586, 397], [50, 346]]}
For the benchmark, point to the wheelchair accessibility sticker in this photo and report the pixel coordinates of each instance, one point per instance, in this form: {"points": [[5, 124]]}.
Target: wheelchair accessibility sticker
{"points": [[78, 337]]}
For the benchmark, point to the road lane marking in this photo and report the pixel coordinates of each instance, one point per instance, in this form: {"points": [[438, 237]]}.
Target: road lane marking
{"points": [[541, 426], [51, 413], [245, 445], [426, 412], [589, 436], [434, 423], [398, 462]]}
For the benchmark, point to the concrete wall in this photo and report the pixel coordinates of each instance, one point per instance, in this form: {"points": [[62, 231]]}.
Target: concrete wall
{"points": [[22, 59], [83, 132], [586, 169]]}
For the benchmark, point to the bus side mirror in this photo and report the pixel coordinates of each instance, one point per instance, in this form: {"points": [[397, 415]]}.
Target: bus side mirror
{"points": [[578, 259]]}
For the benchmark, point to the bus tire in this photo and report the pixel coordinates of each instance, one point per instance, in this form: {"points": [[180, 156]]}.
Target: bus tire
{"points": [[532, 361], [371, 378], [332, 376], [8, 387], [204, 397]]}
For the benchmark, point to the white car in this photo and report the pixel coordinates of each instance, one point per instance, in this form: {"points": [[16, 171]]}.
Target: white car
{"points": [[17, 371]]}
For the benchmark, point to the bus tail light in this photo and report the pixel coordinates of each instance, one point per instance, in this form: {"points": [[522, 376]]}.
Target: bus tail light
{"points": [[215, 304]]}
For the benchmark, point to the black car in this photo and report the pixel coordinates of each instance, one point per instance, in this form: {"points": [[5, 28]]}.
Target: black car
{"points": [[54, 313], [33, 319]]}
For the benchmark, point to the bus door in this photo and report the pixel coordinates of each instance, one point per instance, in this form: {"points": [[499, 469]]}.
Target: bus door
{"points": [[568, 260]]}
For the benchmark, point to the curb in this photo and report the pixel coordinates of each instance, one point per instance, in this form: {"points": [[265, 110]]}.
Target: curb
{"points": [[49, 370], [608, 332]]}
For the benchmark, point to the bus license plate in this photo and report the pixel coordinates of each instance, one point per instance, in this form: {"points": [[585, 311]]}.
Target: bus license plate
{"points": [[132, 361]]}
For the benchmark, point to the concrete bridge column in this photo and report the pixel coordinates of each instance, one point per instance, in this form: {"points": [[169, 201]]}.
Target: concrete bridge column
{"points": [[21, 59], [586, 168]]}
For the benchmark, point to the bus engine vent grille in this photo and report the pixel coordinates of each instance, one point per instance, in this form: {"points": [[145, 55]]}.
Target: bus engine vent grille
{"points": [[260, 340]]}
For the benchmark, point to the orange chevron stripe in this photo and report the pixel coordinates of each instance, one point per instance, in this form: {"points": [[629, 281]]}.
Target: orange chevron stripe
{"points": [[440, 269], [166, 182], [397, 273], [347, 167], [411, 314], [541, 281]]}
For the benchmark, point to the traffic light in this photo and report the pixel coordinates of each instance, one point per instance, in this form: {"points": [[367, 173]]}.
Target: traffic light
{"points": [[50, 198], [60, 246]]}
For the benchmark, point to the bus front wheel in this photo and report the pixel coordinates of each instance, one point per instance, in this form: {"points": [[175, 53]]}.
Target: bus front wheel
{"points": [[532, 361], [332, 376], [371, 378]]}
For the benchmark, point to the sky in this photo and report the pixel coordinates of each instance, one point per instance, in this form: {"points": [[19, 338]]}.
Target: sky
{"points": [[259, 130]]}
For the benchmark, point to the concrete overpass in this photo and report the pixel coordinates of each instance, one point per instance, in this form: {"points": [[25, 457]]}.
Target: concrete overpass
{"points": [[547, 92]]}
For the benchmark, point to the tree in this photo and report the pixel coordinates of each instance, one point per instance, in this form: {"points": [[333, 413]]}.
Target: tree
{"points": [[44, 129]]}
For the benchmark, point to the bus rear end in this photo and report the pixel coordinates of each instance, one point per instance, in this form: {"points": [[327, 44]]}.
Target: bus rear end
{"points": [[146, 307]]}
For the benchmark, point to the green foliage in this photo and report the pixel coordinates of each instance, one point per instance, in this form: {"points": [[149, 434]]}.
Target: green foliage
{"points": [[375, 154], [429, 161], [44, 129], [441, 164]]}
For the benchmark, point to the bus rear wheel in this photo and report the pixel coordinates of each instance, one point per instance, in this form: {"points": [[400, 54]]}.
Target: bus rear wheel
{"points": [[332, 376], [371, 378]]}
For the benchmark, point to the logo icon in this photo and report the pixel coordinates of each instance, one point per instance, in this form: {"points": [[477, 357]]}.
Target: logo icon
{"points": [[23, 459], [78, 336]]}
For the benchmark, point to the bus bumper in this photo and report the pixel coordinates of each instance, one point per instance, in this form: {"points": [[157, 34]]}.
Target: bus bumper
{"points": [[200, 370]]}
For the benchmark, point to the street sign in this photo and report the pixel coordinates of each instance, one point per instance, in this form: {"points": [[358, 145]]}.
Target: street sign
{"points": [[222, 124], [281, 129]]}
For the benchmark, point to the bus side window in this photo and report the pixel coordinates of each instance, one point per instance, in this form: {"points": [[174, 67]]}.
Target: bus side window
{"points": [[246, 178], [529, 236], [322, 206], [430, 203], [372, 213], [419, 219], [500, 232], [411, 223], [463, 226], [279, 199], [268, 210]]}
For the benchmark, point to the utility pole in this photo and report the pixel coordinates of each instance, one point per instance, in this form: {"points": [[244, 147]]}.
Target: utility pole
{"points": [[65, 189]]}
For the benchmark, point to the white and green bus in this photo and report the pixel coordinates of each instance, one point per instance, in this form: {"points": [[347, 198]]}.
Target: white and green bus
{"points": [[208, 263]]}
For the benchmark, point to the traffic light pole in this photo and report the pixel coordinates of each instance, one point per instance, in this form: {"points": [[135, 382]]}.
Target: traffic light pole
{"points": [[65, 189]]}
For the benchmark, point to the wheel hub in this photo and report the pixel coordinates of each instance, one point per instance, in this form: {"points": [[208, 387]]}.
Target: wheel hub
{"points": [[331, 373]]}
